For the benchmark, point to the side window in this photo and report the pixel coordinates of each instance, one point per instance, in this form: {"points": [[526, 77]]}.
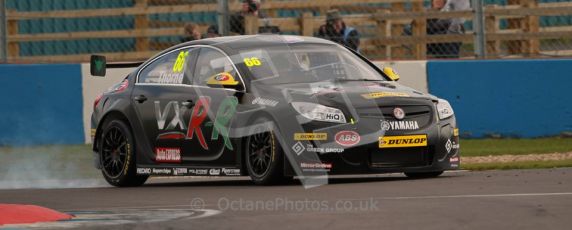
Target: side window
{"points": [[174, 68], [211, 65]]}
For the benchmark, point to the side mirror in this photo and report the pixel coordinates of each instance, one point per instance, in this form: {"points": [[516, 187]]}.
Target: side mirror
{"points": [[224, 80], [391, 73], [97, 65]]}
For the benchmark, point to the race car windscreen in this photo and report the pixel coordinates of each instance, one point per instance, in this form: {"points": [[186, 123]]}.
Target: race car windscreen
{"points": [[306, 63]]}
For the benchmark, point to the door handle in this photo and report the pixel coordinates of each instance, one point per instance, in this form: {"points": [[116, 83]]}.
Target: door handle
{"points": [[188, 103], [140, 98]]}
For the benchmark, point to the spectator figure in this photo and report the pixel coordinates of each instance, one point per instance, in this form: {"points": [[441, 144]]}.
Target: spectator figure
{"points": [[336, 30], [250, 7], [212, 32], [191, 32], [446, 26]]}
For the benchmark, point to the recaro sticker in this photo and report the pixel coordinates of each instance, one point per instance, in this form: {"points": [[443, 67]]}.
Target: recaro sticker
{"points": [[310, 136]]}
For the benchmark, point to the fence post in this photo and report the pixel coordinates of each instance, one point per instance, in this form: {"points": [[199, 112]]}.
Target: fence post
{"points": [[223, 18], [514, 46], [492, 27], [396, 30], [383, 31], [141, 22], [479, 30], [13, 46], [307, 24], [3, 36], [420, 30], [531, 25], [251, 24]]}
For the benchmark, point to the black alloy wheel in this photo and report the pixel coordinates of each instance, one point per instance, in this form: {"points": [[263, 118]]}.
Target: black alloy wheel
{"points": [[117, 155]]}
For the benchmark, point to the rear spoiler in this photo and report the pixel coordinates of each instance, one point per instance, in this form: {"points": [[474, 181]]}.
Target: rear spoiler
{"points": [[98, 65]]}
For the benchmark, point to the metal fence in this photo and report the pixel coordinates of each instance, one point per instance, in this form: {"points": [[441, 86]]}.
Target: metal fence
{"points": [[70, 30]]}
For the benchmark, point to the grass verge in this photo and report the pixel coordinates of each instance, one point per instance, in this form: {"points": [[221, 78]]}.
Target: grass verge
{"points": [[486, 147], [518, 165]]}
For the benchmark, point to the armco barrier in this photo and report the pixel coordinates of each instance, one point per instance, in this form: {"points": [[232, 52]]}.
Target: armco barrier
{"points": [[523, 98], [41, 104]]}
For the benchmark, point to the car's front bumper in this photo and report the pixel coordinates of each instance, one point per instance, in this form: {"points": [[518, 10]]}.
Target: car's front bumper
{"points": [[440, 153]]}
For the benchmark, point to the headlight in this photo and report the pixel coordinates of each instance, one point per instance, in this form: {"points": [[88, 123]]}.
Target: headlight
{"points": [[444, 109], [319, 112]]}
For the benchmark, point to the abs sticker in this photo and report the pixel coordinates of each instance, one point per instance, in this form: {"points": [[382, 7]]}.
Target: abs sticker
{"points": [[403, 141], [347, 138]]}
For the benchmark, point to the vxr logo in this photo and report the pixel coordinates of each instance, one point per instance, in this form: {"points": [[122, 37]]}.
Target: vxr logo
{"points": [[199, 113]]}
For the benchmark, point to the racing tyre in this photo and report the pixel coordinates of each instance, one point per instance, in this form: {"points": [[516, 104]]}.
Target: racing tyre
{"points": [[117, 155], [419, 175], [264, 157]]}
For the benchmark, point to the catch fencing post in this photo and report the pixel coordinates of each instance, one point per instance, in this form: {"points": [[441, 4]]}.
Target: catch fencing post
{"points": [[479, 28], [223, 18], [3, 36]]}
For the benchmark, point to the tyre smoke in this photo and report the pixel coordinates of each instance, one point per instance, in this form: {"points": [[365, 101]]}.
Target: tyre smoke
{"points": [[48, 167]]}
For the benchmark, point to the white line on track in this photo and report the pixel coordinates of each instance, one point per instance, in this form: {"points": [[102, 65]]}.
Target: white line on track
{"points": [[476, 196], [214, 205]]}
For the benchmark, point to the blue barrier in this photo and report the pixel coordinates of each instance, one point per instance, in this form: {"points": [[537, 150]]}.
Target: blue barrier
{"points": [[521, 98], [41, 104]]}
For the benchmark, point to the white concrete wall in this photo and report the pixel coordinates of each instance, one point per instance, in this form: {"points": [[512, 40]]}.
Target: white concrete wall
{"points": [[412, 73], [92, 87]]}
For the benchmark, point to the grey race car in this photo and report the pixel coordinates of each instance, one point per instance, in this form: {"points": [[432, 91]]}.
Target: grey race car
{"points": [[268, 106]]}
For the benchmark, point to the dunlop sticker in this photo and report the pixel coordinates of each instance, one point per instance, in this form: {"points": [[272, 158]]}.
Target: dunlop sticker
{"points": [[403, 141]]}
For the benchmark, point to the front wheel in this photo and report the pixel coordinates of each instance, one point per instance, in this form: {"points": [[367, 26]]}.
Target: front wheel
{"points": [[264, 157], [116, 147], [419, 175]]}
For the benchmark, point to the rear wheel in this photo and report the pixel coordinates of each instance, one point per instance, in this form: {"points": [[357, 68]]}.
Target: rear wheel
{"points": [[264, 157], [418, 175], [116, 148]]}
